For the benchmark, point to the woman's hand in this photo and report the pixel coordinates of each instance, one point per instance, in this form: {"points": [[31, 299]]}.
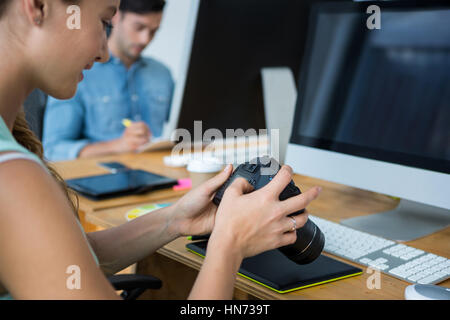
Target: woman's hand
{"points": [[248, 223], [194, 213]]}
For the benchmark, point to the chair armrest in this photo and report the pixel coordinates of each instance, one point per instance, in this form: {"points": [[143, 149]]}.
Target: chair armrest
{"points": [[134, 281]]}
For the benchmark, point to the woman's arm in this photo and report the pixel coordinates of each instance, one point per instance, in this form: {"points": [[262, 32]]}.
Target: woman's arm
{"points": [[119, 247], [43, 251], [193, 214], [218, 273]]}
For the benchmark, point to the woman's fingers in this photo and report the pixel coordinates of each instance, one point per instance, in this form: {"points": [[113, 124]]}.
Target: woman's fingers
{"points": [[279, 182], [292, 223], [287, 239], [239, 187], [216, 182], [299, 202]]}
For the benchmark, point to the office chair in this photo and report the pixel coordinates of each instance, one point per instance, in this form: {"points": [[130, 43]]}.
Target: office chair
{"points": [[34, 108], [133, 285]]}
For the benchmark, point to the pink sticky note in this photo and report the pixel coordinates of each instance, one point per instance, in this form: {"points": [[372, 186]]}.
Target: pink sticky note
{"points": [[183, 184]]}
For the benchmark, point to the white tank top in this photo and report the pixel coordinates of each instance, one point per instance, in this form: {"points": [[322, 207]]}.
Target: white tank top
{"points": [[17, 156]]}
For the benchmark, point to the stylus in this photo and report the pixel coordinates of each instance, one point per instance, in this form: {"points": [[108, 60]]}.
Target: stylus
{"points": [[195, 238]]}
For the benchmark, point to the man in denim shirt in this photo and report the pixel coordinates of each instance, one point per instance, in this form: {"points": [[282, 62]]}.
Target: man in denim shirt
{"points": [[128, 86]]}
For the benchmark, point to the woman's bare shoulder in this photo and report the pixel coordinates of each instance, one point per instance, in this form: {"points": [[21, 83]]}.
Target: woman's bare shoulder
{"points": [[40, 238]]}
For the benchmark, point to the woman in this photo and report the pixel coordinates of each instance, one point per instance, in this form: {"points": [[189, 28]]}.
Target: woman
{"points": [[40, 236]]}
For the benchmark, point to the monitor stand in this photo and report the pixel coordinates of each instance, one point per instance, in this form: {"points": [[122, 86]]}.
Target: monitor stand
{"points": [[408, 221], [279, 95]]}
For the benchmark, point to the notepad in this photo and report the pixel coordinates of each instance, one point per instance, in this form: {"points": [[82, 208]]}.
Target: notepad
{"points": [[273, 270], [145, 209], [156, 145]]}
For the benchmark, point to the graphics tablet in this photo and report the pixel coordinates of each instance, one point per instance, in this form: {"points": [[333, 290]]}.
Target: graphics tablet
{"points": [[273, 270], [119, 184]]}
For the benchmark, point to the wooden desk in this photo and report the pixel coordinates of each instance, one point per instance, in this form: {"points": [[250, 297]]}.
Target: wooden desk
{"points": [[178, 268]]}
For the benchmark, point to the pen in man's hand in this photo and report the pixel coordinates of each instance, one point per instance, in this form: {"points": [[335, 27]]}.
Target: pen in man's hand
{"points": [[126, 122]]}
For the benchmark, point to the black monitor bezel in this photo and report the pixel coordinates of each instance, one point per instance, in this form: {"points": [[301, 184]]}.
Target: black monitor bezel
{"points": [[427, 163]]}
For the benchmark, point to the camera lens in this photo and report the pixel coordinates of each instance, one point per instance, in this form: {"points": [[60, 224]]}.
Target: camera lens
{"points": [[309, 244]]}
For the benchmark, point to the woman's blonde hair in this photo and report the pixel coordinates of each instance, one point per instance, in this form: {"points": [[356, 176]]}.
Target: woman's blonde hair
{"points": [[25, 137]]}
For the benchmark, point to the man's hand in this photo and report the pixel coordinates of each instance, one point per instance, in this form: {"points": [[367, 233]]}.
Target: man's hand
{"points": [[134, 136]]}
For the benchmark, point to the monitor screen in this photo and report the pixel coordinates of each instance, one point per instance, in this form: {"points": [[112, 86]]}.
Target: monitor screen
{"points": [[233, 41], [381, 94]]}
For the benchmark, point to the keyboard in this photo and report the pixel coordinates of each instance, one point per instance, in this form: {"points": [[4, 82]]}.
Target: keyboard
{"points": [[390, 257]]}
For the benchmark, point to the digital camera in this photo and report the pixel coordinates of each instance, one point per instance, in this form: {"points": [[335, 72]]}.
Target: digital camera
{"points": [[259, 172]]}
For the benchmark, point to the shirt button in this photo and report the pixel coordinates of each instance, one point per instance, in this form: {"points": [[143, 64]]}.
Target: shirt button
{"points": [[106, 99], [134, 97]]}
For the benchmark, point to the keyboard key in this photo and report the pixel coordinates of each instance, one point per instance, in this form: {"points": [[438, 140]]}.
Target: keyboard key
{"points": [[426, 272], [381, 260], [418, 251], [398, 247], [441, 274], [430, 256], [431, 263], [398, 272], [415, 277], [440, 259], [428, 279], [365, 260], [435, 269]]}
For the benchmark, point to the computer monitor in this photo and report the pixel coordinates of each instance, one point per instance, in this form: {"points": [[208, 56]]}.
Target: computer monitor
{"points": [[373, 110], [233, 40]]}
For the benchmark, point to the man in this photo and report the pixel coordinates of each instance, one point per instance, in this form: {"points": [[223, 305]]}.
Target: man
{"points": [[128, 86]]}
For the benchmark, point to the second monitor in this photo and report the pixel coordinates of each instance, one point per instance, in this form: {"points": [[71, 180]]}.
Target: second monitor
{"points": [[233, 41]]}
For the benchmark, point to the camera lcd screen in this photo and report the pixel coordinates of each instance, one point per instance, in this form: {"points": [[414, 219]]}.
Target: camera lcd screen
{"points": [[121, 183]]}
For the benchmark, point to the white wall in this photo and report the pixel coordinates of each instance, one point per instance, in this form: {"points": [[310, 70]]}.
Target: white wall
{"points": [[170, 41], [172, 46]]}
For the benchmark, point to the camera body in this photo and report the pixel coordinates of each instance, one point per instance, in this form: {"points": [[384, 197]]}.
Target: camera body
{"points": [[259, 172]]}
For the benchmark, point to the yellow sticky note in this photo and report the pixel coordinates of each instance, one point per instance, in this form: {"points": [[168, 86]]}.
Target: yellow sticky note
{"points": [[140, 211]]}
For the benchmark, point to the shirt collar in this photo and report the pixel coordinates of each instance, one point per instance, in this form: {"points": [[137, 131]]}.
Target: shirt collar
{"points": [[115, 60]]}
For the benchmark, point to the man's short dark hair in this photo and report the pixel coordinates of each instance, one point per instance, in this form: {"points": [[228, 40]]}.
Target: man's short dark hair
{"points": [[142, 6]]}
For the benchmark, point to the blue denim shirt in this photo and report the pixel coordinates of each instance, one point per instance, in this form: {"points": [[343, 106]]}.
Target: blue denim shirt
{"points": [[109, 93]]}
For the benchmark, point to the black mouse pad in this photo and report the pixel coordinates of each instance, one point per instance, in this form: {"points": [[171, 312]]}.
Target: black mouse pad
{"points": [[273, 270]]}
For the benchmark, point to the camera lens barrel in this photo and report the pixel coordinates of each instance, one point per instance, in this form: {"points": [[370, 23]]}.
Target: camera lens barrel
{"points": [[310, 240], [308, 246]]}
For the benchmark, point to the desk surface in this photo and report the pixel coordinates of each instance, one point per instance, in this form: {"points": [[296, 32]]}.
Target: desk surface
{"points": [[336, 202]]}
